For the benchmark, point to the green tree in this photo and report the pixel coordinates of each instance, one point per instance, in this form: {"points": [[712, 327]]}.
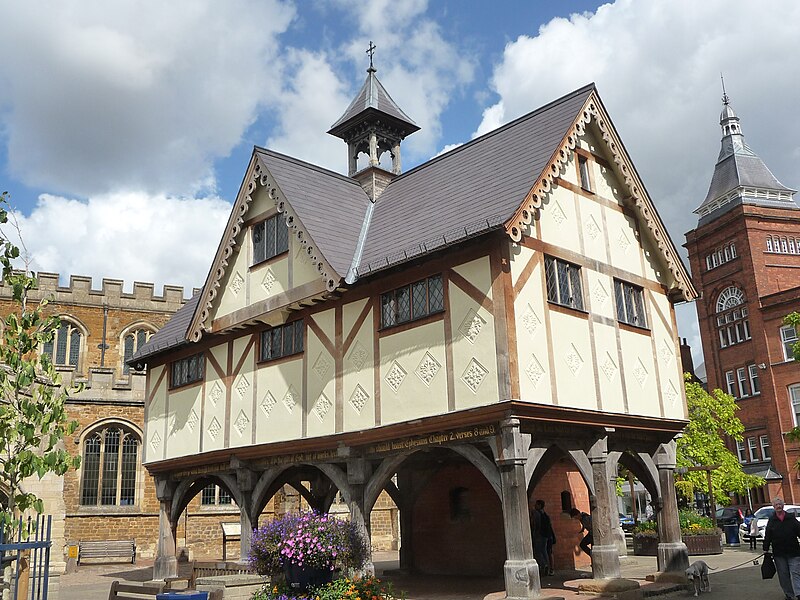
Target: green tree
{"points": [[33, 420], [793, 319], [712, 416]]}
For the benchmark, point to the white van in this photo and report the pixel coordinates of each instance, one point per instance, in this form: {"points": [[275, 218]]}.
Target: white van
{"points": [[762, 515]]}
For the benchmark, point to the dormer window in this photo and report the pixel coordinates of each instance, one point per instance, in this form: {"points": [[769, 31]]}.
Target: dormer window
{"points": [[270, 238], [583, 169]]}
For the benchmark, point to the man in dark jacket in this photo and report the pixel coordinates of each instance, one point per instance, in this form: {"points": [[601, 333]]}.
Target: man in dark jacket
{"points": [[782, 534]]}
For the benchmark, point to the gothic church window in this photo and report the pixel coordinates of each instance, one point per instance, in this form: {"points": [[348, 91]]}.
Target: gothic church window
{"points": [[270, 238], [131, 342], [109, 467], [563, 283], [65, 347]]}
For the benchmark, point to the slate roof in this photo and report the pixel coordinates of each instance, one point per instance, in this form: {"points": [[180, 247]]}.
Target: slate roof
{"points": [[372, 97], [171, 335], [331, 206], [764, 470], [470, 190]]}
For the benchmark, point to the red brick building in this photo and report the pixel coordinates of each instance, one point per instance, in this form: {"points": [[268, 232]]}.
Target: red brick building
{"points": [[745, 258]]}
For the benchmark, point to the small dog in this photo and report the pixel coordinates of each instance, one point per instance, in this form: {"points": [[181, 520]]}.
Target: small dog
{"points": [[697, 574]]}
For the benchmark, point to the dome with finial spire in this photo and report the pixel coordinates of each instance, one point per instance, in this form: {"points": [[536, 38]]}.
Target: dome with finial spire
{"points": [[740, 176]]}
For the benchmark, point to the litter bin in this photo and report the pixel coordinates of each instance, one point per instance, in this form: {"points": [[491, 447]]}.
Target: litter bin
{"points": [[732, 534], [183, 595]]}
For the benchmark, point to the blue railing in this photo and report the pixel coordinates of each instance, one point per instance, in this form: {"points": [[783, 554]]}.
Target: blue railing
{"points": [[27, 552]]}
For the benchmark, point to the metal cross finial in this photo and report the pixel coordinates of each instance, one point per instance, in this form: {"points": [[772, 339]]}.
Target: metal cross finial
{"points": [[725, 99], [371, 52]]}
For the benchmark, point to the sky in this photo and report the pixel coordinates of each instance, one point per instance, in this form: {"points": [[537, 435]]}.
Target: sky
{"points": [[126, 127]]}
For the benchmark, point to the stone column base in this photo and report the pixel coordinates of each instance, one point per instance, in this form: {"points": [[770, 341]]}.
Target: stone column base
{"points": [[619, 539], [522, 579], [605, 562], [672, 556], [165, 566]]}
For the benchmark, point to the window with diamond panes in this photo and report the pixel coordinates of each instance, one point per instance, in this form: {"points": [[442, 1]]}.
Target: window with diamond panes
{"points": [[563, 283], [187, 370], [65, 347], [411, 302], [630, 303], [132, 341], [281, 341], [109, 468], [270, 238]]}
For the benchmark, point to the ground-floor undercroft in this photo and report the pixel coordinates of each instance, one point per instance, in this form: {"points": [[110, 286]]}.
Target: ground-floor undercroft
{"points": [[463, 486]]}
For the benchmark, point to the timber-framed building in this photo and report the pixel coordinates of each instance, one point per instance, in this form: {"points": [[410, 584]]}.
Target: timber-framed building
{"points": [[448, 335]]}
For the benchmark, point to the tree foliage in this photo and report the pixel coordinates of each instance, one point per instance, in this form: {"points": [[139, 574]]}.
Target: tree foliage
{"points": [[711, 417], [33, 419]]}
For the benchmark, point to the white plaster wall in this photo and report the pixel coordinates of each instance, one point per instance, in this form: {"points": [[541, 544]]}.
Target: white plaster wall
{"points": [[593, 229], [623, 242], [640, 374], [533, 353], [214, 401], [519, 257], [280, 406], [183, 421], [303, 270], [559, 224], [358, 380], [154, 444], [573, 361], [412, 398], [233, 286], [241, 425], [599, 294], [669, 363], [320, 382], [268, 279], [609, 374]]}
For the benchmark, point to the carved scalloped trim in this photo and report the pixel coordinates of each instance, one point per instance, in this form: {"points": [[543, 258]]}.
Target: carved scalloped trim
{"points": [[593, 111], [257, 177]]}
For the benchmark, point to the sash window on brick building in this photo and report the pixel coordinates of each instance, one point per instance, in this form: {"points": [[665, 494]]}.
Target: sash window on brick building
{"points": [[788, 339], [110, 461], [732, 321]]}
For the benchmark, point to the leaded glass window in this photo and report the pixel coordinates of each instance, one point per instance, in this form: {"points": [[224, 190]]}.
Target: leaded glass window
{"points": [[109, 468], [630, 303], [270, 238], [131, 343], [411, 302], [187, 370], [215, 495], [281, 341], [65, 347], [563, 282]]}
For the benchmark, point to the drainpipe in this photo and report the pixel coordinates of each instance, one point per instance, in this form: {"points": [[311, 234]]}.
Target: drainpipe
{"points": [[102, 345]]}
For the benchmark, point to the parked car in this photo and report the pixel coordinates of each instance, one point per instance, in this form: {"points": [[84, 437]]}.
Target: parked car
{"points": [[762, 515], [729, 515], [626, 522]]}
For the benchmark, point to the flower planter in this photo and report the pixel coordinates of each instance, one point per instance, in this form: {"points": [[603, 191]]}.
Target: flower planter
{"points": [[301, 578], [695, 544]]}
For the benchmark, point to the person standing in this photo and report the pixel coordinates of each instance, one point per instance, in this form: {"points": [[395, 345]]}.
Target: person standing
{"points": [[538, 539], [586, 525], [549, 536], [782, 534]]}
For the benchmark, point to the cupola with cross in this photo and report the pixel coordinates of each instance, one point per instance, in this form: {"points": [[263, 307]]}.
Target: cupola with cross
{"points": [[372, 125]]}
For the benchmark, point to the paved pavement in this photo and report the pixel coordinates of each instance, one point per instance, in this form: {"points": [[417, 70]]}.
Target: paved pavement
{"points": [[742, 581]]}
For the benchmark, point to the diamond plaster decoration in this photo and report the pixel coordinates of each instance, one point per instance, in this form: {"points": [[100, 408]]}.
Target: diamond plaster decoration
{"points": [[666, 352], [427, 368], [192, 420], [236, 283], [322, 407], [242, 386], [358, 355], [671, 394], [558, 214], [358, 399], [155, 441], [534, 371], [290, 398], [640, 372], [241, 423], [530, 321], [173, 422], [623, 242], [592, 228], [599, 294], [214, 428], [609, 367], [269, 281], [301, 255], [471, 326], [395, 376], [573, 359], [216, 394], [474, 375], [268, 403], [322, 365]]}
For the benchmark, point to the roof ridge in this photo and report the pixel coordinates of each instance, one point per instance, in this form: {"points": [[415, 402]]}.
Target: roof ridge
{"points": [[304, 163], [498, 130]]}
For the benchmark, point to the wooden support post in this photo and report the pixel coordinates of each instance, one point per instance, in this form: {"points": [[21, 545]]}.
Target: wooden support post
{"points": [[672, 552]]}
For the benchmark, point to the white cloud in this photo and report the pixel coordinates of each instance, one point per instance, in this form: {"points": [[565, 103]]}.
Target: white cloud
{"points": [[100, 97], [657, 66], [158, 239]]}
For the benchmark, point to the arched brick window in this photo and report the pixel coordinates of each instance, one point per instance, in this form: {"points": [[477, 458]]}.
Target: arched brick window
{"points": [[732, 322], [109, 467], [67, 344]]}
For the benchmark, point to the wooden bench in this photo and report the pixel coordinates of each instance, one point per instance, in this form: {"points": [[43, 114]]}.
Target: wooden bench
{"points": [[208, 569], [107, 549], [132, 591]]}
